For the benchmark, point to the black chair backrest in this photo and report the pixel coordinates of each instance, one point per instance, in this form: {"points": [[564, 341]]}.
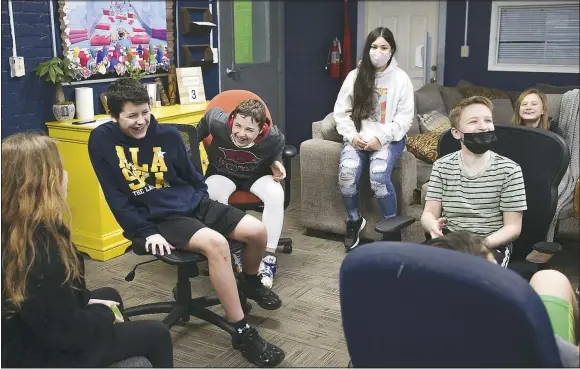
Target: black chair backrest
{"points": [[543, 157], [189, 136]]}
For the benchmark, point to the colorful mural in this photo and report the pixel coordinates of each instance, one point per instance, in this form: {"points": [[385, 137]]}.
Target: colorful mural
{"points": [[115, 36]]}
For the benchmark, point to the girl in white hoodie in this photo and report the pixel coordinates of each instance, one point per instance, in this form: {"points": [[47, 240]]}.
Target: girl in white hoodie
{"points": [[373, 112]]}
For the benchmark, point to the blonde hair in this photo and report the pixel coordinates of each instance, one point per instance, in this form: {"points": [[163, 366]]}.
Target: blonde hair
{"points": [[516, 119], [32, 197], [455, 113]]}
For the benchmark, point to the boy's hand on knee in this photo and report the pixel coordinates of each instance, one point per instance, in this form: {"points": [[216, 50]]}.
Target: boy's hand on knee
{"points": [[158, 244], [278, 171]]}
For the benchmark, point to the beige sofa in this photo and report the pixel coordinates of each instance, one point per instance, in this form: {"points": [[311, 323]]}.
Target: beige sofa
{"points": [[321, 202]]}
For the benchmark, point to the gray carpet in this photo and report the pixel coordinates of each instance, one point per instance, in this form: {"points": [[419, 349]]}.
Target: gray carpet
{"points": [[308, 326]]}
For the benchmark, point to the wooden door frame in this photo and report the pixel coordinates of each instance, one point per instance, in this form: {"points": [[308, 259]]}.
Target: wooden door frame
{"points": [[361, 22]]}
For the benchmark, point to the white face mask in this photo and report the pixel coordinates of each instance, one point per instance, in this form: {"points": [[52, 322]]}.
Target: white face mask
{"points": [[379, 58]]}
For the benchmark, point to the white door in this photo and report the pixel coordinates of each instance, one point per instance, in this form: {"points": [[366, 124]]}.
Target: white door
{"points": [[409, 21]]}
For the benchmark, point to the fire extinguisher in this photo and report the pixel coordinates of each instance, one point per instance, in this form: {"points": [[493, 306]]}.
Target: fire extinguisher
{"points": [[334, 59]]}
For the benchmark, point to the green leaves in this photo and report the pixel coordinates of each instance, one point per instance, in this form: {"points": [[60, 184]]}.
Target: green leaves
{"points": [[55, 70]]}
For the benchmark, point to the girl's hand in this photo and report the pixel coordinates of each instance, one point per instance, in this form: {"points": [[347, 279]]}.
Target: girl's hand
{"points": [[373, 145]]}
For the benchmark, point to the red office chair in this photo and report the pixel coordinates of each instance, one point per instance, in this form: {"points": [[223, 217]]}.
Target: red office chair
{"points": [[245, 200]]}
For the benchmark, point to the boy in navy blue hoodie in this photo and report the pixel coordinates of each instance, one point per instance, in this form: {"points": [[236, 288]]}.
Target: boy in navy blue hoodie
{"points": [[156, 194]]}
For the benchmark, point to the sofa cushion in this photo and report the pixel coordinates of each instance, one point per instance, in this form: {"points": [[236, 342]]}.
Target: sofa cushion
{"points": [[433, 121], [414, 130], [328, 129], [503, 111], [424, 146], [490, 93], [428, 98], [554, 102], [423, 172], [514, 95], [551, 89], [450, 96]]}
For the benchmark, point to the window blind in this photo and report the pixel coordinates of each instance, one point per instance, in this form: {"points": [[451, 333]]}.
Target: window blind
{"points": [[539, 34]]}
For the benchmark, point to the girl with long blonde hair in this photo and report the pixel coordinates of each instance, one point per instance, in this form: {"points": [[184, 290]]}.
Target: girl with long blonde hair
{"points": [[49, 317], [531, 110]]}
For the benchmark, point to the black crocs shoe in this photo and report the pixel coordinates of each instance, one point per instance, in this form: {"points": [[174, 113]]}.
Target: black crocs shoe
{"points": [[264, 297], [257, 351]]}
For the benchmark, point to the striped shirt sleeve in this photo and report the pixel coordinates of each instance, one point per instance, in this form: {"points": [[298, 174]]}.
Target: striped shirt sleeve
{"points": [[435, 188], [513, 192]]}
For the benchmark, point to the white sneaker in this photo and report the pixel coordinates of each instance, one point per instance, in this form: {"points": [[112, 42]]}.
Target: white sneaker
{"points": [[268, 270]]}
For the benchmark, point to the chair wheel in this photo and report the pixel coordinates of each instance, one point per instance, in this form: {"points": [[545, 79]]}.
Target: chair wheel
{"points": [[246, 307], [287, 249]]}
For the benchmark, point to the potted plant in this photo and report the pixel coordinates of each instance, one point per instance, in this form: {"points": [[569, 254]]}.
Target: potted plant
{"points": [[58, 71]]}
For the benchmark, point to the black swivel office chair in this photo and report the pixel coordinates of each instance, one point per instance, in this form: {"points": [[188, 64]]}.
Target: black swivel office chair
{"points": [[543, 157], [184, 305]]}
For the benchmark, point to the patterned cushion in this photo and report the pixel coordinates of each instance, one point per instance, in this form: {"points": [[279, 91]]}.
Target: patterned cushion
{"points": [[424, 146], [490, 93], [433, 121]]}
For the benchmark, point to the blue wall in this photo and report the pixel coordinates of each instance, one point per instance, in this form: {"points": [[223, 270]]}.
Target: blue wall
{"points": [[26, 101], [310, 27], [474, 68]]}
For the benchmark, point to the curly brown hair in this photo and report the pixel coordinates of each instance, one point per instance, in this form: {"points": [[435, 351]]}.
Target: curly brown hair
{"points": [[252, 108]]}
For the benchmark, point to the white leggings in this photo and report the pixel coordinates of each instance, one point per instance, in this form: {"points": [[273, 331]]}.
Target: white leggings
{"points": [[267, 189]]}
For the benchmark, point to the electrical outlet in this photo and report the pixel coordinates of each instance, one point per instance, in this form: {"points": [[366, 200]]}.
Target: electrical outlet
{"points": [[16, 66], [465, 51]]}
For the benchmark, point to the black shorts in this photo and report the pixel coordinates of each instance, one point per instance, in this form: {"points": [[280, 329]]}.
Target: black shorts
{"points": [[178, 230], [241, 184]]}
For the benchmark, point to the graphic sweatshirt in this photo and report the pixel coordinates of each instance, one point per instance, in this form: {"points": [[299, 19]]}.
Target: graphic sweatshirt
{"points": [[145, 179], [394, 112], [227, 159]]}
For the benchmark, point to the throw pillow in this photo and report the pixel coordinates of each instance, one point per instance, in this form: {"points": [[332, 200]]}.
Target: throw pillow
{"points": [[328, 129], [451, 96], [433, 121], [424, 146]]}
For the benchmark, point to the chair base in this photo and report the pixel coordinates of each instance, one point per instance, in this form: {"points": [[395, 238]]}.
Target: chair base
{"points": [[285, 244], [185, 306]]}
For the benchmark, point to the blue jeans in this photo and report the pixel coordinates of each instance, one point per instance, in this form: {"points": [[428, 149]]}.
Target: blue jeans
{"points": [[381, 166]]}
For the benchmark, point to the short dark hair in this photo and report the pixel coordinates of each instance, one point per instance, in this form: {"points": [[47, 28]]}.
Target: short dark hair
{"points": [[252, 108], [462, 241], [125, 90]]}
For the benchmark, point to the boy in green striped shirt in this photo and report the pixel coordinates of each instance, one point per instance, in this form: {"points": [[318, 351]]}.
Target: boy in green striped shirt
{"points": [[475, 189]]}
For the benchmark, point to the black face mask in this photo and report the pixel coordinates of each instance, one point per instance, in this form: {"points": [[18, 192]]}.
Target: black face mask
{"points": [[479, 142]]}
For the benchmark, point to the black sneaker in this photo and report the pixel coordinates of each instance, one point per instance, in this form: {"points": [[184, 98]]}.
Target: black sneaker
{"points": [[353, 230], [264, 297], [257, 351]]}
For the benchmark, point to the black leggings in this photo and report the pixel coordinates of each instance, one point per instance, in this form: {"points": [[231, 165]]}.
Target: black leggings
{"points": [[148, 338]]}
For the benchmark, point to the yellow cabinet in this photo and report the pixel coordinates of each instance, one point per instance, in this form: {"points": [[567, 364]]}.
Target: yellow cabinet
{"points": [[94, 229]]}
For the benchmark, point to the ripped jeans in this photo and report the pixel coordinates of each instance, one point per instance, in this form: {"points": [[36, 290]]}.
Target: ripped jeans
{"points": [[381, 166]]}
